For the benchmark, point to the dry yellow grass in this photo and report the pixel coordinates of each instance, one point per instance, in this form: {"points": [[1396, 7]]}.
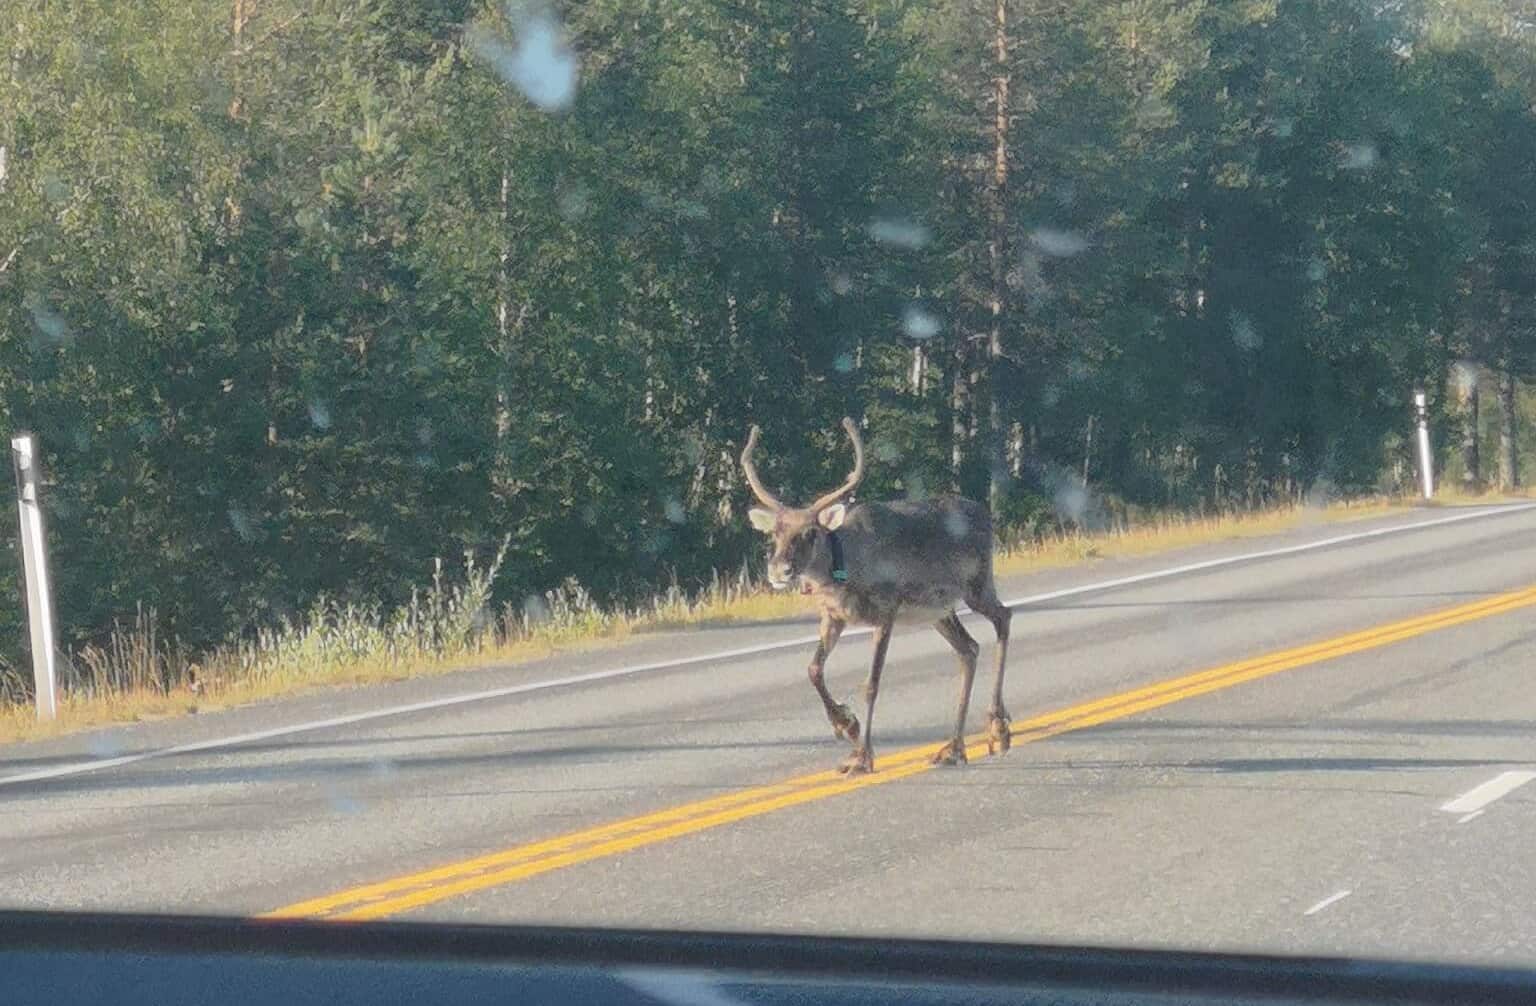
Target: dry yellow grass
{"points": [[758, 607], [1168, 533], [220, 689], [222, 686]]}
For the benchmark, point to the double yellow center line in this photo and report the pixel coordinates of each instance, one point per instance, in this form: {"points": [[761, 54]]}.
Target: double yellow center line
{"points": [[415, 890]]}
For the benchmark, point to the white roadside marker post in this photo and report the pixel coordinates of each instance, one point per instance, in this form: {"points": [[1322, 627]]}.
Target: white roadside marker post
{"points": [[1426, 465], [36, 588]]}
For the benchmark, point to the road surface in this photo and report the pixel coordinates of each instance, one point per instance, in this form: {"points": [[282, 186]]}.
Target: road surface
{"points": [[1320, 742]]}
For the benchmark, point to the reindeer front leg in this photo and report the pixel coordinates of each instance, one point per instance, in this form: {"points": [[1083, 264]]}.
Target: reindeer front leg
{"points": [[863, 759], [845, 726]]}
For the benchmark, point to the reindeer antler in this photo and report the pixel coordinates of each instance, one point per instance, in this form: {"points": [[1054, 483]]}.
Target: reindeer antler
{"points": [[767, 498], [854, 477]]}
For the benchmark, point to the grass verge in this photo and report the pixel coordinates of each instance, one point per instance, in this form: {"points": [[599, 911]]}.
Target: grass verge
{"points": [[137, 677]]}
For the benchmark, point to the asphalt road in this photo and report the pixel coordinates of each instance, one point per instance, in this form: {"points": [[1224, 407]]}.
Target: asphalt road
{"points": [[1343, 762]]}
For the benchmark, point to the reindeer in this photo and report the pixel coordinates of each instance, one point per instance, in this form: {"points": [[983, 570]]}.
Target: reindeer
{"points": [[872, 563]]}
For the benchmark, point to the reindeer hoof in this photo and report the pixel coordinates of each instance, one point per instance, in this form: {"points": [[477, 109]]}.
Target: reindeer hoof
{"points": [[845, 726], [999, 734], [952, 753], [861, 762]]}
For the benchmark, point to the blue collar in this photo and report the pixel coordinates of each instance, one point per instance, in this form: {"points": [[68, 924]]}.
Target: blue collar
{"points": [[839, 567]]}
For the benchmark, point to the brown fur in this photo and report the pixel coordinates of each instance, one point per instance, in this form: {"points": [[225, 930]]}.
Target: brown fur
{"points": [[906, 560]]}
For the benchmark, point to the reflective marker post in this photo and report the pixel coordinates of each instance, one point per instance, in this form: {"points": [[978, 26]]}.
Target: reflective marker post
{"points": [[1426, 469], [34, 569]]}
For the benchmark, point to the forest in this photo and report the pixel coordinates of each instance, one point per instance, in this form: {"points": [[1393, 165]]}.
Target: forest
{"points": [[303, 296]]}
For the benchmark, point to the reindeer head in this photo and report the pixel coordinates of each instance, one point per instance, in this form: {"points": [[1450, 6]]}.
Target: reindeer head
{"points": [[800, 549]]}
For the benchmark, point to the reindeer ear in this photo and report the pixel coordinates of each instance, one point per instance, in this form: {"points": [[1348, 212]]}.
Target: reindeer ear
{"points": [[831, 517], [763, 520]]}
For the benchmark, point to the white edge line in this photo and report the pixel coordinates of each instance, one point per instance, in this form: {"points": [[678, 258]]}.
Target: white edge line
{"points": [[1469, 817], [99, 764], [1481, 795], [1332, 899]]}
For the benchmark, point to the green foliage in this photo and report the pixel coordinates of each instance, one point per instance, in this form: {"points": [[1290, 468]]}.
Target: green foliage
{"points": [[297, 311]]}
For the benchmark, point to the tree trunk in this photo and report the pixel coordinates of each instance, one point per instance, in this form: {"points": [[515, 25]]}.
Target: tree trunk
{"points": [[241, 15], [959, 410], [9, 139], [1509, 475], [997, 474], [1087, 450], [919, 369], [804, 276], [509, 329], [1471, 461], [503, 416]]}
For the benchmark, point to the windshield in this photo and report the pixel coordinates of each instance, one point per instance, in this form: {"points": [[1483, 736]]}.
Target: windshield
{"points": [[435, 499]]}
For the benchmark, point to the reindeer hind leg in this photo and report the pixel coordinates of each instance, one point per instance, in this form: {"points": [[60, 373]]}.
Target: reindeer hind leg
{"points": [[983, 600]]}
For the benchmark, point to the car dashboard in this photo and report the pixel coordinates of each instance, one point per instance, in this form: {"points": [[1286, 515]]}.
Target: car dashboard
{"points": [[61, 959]]}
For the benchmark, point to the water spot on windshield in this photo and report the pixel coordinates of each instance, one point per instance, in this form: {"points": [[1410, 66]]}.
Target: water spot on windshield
{"points": [[1152, 111], [1244, 333], [902, 232], [538, 62], [105, 745], [535, 610], [675, 512], [885, 450], [1316, 270], [657, 543], [50, 323], [841, 283], [1319, 496], [957, 524], [1358, 156], [241, 522], [1322, 493], [320, 415], [711, 181], [573, 202], [1071, 503], [1464, 376], [1058, 243], [844, 363], [342, 802], [427, 357], [55, 189], [919, 322]]}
